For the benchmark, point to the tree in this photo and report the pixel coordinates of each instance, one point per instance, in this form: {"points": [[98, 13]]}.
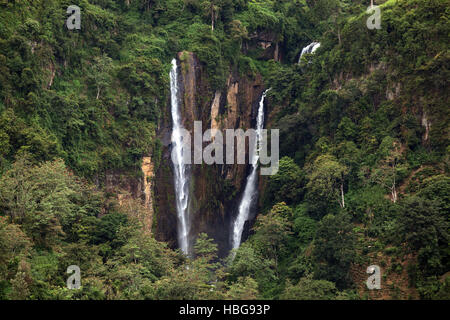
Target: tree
{"points": [[108, 227], [247, 262], [347, 130], [437, 188], [326, 181], [330, 14], [203, 268], [211, 9], [287, 184], [19, 285], [238, 31], [309, 289], [204, 247], [143, 4], [424, 227], [272, 232], [245, 288], [15, 249], [198, 279], [385, 174], [46, 199], [100, 72], [250, 262], [303, 226], [349, 155], [16, 190], [139, 262], [334, 249]]}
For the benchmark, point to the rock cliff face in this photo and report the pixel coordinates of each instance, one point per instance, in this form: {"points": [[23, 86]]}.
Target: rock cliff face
{"points": [[134, 192], [215, 189], [147, 181]]}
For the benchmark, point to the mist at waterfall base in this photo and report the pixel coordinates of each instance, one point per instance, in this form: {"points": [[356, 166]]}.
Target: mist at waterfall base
{"points": [[250, 191], [181, 176]]}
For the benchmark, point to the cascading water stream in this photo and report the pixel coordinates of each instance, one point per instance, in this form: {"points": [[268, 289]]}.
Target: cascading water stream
{"points": [[250, 189], [180, 169], [313, 46]]}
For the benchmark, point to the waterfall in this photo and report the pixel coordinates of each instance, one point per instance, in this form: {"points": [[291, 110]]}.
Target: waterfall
{"points": [[250, 190], [309, 49], [181, 180]]}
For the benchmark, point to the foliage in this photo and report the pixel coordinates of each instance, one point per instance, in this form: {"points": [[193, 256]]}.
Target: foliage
{"points": [[424, 227], [363, 145], [334, 250], [325, 182], [287, 184], [310, 289]]}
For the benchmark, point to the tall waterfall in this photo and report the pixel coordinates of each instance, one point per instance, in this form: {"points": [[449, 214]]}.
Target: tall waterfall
{"points": [[313, 46], [249, 195], [180, 169]]}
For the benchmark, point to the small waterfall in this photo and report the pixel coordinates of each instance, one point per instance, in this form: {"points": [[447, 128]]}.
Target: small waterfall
{"points": [[180, 169], [310, 48], [250, 191]]}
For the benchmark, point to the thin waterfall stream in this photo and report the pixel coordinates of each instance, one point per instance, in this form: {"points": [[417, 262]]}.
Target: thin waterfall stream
{"points": [[181, 178], [250, 190], [309, 49]]}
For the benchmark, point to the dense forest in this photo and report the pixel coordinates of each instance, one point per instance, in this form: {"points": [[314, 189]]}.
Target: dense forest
{"points": [[364, 148]]}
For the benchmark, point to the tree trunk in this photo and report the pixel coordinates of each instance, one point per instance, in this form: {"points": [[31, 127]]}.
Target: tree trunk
{"points": [[342, 196], [276, 52], [98, 92], [394, 193]]}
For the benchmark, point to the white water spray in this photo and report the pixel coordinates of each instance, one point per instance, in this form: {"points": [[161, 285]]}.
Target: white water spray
{"points": [[180, 169], [313, 46], [249, 195]]}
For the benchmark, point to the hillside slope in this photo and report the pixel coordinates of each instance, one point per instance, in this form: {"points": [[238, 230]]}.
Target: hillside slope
{"points": [[85, 175]]}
